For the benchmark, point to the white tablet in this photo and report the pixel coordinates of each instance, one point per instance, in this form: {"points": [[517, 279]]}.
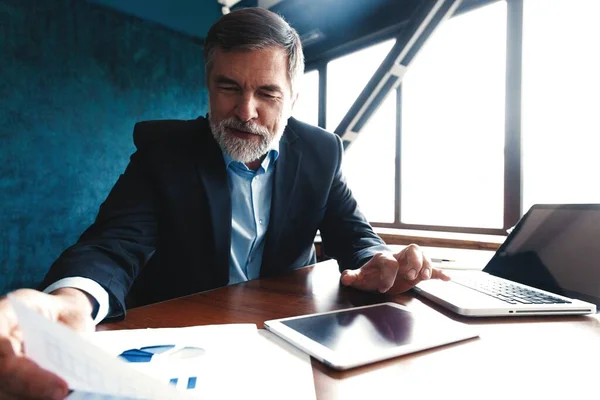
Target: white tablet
{"points": [[353, 337]]}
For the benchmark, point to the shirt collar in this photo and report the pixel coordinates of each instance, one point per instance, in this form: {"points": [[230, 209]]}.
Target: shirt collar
{"points": [[272, 156]]}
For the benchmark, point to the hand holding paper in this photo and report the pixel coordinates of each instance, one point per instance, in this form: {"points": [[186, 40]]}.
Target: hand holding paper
{"points": [[172, 363], [19, 375], [83, 366]]}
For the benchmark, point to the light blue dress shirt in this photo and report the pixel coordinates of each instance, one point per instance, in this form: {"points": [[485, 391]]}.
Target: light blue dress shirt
{"points": [[251, 193]]}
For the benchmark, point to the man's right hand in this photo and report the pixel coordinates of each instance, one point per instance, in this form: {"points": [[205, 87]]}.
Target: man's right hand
{"points": [[20, 377]]}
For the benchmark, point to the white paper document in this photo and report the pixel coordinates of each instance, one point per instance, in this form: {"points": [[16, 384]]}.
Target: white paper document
{"points": [[209, 362], [84, 366], [216, 361]]}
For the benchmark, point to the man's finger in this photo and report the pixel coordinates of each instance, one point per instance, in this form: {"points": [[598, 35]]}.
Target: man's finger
{"points": [[22, 376], [439, 274], [426, 269], [350, 276], [7, 317], [19, 375], [6, 351], [414, 262], [363, 278], [378, 274], [389, 269]]}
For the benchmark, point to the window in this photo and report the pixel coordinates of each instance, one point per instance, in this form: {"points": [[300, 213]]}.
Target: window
{"points": [[370, 161], [347, 76], [453, 101], [460, 107], [306, 108], [561, 99], [373, 152]]}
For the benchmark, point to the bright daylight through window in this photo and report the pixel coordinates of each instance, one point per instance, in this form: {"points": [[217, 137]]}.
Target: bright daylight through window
{"points": [[561, 101], [453, 100], [372, 154], [453, 120], [306, 108]]}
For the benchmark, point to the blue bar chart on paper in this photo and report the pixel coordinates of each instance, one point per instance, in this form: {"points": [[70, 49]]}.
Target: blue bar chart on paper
{"points": [[168, 353], [200, 361]]}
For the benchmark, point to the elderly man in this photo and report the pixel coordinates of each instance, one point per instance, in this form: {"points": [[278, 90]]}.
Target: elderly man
{"points": [[214, 201]]}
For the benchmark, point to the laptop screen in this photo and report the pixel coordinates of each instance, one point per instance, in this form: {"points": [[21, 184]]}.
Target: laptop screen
{"points": [[554, 248]]}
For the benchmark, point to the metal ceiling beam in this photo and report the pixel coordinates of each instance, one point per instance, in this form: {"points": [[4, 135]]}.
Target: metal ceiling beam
{"points": [[390, 73], [268, 3], [226, 5]]}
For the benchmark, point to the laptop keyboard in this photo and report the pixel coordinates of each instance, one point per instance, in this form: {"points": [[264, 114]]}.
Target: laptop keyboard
{"points": [[507, 291]]}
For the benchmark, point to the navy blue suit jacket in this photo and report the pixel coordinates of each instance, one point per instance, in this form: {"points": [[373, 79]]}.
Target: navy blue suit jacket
{"points": [[164, 230]]}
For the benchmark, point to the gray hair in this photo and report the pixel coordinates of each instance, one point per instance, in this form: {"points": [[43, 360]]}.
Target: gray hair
{"points": [[255, 28]]}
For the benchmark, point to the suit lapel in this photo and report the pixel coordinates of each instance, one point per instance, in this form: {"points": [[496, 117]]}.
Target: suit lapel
{"points": [[284, 186], [212, 173]]}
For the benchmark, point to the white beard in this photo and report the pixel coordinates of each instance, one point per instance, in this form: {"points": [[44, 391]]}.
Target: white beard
{"points": [[244, 150]]}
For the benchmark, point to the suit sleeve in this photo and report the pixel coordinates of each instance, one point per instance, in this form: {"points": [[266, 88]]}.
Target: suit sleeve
{"points": [[346, 234], [122, 239]]}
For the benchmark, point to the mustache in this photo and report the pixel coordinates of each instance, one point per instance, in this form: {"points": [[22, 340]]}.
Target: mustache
{"points": [[249, 126]]}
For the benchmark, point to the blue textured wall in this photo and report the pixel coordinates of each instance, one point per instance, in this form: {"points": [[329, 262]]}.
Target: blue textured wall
{"points": [[74, 78]]}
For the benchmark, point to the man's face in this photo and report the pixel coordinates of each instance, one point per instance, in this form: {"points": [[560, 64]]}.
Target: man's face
{"points": [[250, 101]]}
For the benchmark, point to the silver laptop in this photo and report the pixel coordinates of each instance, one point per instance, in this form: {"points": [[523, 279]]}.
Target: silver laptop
{"points": [[548, 265]]}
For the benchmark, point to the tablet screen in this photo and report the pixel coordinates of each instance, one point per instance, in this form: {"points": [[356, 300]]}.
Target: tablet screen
{"points": [[353, 337], [374, 328]]}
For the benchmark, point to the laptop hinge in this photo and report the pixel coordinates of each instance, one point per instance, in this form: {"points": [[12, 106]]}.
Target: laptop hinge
{"points": [[553, 311]]}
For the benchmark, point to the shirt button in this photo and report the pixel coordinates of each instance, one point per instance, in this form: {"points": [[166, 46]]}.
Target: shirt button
{"points": [[260, 221]]}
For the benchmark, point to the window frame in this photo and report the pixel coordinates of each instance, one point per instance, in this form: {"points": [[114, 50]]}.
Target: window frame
{"points": [[513, 191]]}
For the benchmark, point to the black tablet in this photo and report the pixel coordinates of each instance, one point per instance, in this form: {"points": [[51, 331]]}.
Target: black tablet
{"points": [[357, 336]]}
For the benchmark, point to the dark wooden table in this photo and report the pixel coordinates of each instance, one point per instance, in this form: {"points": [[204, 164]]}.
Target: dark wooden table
{"points": [[517, 358]]}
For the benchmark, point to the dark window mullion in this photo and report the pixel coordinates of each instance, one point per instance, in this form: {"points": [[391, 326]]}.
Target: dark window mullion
{"points": [[323, 95], [398, 181], [513, 186]]}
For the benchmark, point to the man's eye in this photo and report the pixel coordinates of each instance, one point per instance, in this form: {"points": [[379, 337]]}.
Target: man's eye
{"points": [[268, 96], [229, 88]]}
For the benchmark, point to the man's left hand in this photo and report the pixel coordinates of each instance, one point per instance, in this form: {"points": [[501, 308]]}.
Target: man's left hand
{"points": [[393, 273]]}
